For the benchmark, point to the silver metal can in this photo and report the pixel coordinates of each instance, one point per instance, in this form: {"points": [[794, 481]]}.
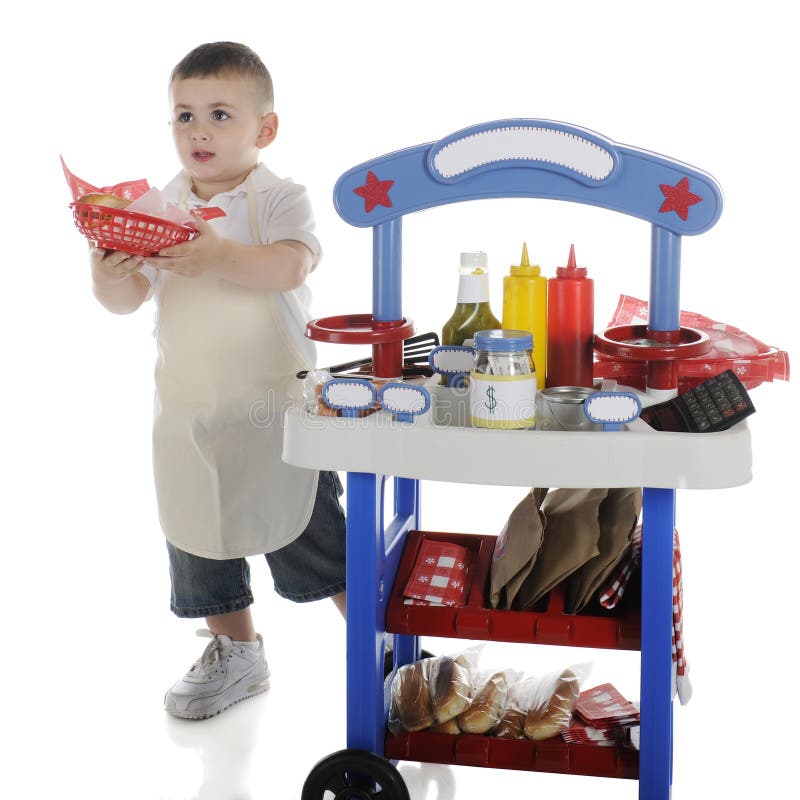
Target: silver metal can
{"points": [[560, 408]]}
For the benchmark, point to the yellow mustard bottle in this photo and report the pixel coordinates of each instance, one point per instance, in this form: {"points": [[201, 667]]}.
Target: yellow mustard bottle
{"points": [[525, 308]]}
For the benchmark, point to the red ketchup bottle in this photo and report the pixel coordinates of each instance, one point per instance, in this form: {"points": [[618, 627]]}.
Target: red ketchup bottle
{"points": [[570, 326]]}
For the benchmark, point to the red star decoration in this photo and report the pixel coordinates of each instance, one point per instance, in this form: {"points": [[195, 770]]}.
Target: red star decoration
{"points": [[374, 192], [678, 198]]}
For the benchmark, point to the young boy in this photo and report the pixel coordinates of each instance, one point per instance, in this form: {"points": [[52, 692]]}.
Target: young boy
{"points": [[230, 321]]}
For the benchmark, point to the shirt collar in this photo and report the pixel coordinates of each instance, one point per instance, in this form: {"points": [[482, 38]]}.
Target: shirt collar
{"points": [[263, 179]]}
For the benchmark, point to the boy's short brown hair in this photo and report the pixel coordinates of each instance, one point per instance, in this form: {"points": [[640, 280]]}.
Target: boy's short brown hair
{"points": [[227, 58]]}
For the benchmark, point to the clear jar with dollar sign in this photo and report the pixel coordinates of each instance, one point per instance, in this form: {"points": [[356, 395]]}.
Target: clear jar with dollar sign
{"points": [[503, 380]]}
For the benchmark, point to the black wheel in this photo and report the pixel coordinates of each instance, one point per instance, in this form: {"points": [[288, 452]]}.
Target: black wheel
{"points": [[354, 775]]}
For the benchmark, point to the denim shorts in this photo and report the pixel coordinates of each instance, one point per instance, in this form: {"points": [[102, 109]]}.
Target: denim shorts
{"points": [[311, 567]]}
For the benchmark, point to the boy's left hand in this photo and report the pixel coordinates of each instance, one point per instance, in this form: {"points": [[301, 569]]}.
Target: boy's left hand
{"points": [[202, 254]]}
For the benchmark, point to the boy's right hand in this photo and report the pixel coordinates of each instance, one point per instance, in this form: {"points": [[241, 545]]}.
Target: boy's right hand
{"points": [[112, 266]]}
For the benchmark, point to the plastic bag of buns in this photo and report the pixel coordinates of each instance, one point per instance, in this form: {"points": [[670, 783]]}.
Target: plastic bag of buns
{"points": [[451, 684], [554, 701], [411, 708], [519, 698], [431, 693], [488, 702], [539, 707]]}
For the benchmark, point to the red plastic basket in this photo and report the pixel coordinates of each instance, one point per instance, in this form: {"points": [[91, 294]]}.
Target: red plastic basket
{"points": [[119, 229]]}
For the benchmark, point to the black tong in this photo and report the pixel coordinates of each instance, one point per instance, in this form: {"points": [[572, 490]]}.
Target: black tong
{"points": [[416, 350]]}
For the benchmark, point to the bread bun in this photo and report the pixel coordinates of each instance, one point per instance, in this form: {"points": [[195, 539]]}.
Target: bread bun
{"points": [[450, 688], [450, 727], [484, 712], [411, 697], [109, 200], [511, 725], [554, 716]]}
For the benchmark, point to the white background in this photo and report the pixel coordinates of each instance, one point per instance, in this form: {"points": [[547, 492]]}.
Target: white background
{"points": [[90, 644]]}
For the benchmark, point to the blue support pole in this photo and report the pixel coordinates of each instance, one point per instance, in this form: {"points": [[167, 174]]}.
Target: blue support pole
{"points": [[373, 555], [406, 498], [655, 754], [658, 521], [386, 270], [365, 624], [665, 280]]}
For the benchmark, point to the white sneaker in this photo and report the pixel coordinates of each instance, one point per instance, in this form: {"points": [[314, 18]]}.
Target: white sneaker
{"points": [[226, 673]]}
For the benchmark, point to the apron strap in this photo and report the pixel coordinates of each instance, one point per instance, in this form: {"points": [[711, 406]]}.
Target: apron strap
{"points": [[183, 200], [255, 234]]}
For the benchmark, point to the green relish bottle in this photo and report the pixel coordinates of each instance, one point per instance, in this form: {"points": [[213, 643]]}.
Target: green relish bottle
{"points": [[472, 312]]}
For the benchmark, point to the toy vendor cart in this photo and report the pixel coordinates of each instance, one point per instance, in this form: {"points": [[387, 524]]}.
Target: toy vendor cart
{"points": [[508, 158]]}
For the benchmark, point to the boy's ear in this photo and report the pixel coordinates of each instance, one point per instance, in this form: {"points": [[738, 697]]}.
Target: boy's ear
{"points": [[269, 129]]}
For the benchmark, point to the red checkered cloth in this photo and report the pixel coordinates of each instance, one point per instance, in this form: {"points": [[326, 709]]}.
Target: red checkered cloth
{"points": [[619, 580], [616, 588], [440, 575]]}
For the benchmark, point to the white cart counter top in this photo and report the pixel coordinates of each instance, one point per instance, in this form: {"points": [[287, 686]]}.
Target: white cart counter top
{"points": [[634, 456]]}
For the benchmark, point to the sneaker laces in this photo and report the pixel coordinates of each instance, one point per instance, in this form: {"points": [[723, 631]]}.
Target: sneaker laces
{"points": [[212, 656]]}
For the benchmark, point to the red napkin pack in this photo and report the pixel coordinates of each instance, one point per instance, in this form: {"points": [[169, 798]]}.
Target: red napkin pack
{"points": [[580, 732], [440, 575], [605, 709]]}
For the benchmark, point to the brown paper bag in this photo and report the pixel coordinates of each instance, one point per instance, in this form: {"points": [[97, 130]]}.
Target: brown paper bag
{"points": [[516, 549], [570, 540], [618, 515]]}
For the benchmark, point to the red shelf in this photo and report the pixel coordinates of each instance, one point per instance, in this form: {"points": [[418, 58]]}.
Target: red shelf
{"points": [[553, 755], [547, 624]]}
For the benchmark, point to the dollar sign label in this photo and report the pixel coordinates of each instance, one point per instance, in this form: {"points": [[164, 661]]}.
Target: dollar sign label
{"points": [[491, 403]]}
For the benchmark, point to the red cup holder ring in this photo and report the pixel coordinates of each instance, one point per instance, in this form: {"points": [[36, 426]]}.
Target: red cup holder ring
{"points": [[358, 329], [385, 337], [661, 349], [639, 343]]}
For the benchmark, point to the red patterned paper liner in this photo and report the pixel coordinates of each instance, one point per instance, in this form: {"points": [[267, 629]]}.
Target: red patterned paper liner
{"points": [[128, 190]]}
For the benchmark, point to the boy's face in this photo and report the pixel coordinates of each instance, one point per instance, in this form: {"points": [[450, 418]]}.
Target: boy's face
{"points": [[218, 128]]}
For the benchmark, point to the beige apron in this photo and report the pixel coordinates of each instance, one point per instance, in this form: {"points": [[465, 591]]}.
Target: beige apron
{"points": [[225, 372]]}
